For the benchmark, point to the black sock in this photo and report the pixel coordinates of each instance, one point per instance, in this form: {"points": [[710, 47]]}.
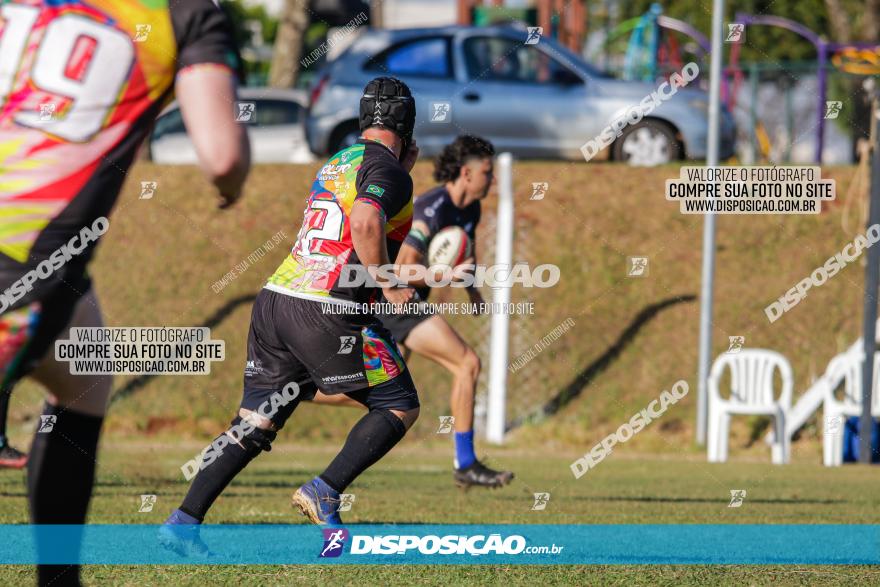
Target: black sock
{"points": [[61, 468], [61, 473], [371, 438], [213, 479], [5, 394], [58, 576]]}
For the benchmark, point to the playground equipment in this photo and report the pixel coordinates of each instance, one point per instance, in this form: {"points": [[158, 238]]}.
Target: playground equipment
{"points": [[858, 58], [652, 50], [564, 20]]}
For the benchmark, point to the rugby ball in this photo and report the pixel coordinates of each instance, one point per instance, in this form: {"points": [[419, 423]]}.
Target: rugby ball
{"points": [[449, 247]]}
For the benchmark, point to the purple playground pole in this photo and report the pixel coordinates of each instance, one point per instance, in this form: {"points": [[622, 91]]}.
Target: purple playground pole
{"points": [[820, 110], [822, 50], [684, 28]]}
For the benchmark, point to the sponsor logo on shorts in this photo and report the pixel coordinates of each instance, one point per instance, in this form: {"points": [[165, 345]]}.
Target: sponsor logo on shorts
{"points": [[252, 368], [343, 378]]}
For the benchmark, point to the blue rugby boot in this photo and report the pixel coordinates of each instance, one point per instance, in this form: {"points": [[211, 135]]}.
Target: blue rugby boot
{"points": [[318, 502]]}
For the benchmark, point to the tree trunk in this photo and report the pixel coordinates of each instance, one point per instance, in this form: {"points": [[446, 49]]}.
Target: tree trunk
{"points": [[288, 44], [839, 21], [871, 28], [376, 20]]}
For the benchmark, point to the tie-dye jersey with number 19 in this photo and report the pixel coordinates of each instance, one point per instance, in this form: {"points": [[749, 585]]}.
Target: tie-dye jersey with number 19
{"points": [[81, 82], [365, 172]]}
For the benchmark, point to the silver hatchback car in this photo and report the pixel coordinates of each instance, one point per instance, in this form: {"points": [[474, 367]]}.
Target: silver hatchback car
{"points": [[274, 122], [532, 97]]}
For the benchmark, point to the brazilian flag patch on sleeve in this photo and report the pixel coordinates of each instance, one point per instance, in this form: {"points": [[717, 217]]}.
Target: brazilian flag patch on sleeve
{"points": [[374, 189]]}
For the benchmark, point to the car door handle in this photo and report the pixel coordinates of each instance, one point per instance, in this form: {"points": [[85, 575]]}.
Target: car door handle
{"points": [[471, 97]]}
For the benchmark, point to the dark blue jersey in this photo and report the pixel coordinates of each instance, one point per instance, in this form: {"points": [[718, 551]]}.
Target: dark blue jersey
{"points": [[436, 209]]}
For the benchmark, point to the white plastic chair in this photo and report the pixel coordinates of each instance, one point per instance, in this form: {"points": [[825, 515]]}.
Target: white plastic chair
{"points": [[751, 393], [844, 369]]}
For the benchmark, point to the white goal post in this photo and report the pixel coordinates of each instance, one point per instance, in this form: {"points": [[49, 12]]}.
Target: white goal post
{"points": [[496, 416]]}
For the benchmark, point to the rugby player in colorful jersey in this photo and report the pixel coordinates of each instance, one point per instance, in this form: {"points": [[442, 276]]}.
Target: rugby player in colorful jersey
{"points": [[308, 329], [465, 172], [81, 82]]}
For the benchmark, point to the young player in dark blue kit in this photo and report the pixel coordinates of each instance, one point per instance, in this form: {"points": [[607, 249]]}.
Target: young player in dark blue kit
{"points": [[464, 170]]}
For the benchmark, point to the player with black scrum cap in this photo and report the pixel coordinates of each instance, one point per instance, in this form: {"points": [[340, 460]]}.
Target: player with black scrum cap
{"points": [[359, 212]]}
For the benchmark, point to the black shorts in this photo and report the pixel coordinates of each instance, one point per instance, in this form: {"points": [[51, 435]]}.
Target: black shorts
{"points": [[28, 332], [296, 340], [400, 325]]}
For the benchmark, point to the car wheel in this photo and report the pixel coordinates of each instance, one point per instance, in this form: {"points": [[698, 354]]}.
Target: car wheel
{"points": [[344, 136], [646, 144]]}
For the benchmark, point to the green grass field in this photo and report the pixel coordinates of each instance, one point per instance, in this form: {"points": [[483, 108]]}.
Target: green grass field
{"points": [[413, 485], [632, 339]]}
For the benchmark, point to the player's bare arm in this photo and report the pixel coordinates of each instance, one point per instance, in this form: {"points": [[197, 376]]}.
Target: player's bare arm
{"points": [[410, 256], [368, 236], [206, 94]]}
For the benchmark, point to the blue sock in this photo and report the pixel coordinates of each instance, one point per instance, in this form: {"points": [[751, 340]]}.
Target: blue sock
{"points": [[464, 449]]}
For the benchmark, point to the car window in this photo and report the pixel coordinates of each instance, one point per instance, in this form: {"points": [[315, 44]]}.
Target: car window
{"points": [[418, 58], [275, 112], [502, 59], [168, 124]]}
